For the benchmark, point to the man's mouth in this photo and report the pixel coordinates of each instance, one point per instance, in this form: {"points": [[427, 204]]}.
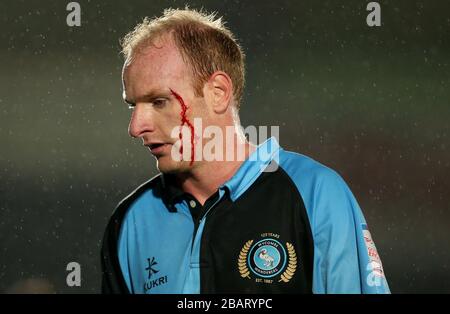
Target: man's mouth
{"points": [[157, 148]]}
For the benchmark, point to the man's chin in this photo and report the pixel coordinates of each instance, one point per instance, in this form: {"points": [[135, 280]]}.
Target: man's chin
{"points": [[165, 164]]}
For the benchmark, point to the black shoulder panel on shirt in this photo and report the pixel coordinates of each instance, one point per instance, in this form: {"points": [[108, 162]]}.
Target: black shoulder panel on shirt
{"points": [[112, 278]]}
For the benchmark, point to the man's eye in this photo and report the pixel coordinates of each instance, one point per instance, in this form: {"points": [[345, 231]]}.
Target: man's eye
{"points": [[131, 107], [160, 102]]}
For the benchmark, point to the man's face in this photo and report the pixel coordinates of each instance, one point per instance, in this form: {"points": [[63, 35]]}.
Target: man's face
{"points": [[148, 82]]}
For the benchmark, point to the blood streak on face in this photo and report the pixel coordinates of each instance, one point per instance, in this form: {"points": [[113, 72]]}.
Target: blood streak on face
{"points": [[185, 120]]}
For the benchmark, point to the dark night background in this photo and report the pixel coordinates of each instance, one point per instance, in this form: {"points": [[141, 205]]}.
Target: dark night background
{"points": [[372, 103]]}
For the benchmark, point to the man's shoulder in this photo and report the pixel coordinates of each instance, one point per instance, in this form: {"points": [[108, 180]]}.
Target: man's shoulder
{"points": [[319, 186], [304, 169], [152, 186]]}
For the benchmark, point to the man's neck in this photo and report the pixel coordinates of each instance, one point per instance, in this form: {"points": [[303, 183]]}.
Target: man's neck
{"points": [[205, 181]]}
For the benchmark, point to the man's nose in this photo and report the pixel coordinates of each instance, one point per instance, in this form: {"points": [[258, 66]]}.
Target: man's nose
{"points": [[141, 121]]}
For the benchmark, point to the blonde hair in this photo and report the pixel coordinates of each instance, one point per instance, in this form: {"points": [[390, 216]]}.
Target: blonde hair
{"points": [[206, 45]]}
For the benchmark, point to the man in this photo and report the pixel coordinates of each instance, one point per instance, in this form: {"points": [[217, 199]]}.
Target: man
{"points": [[279, 224]]}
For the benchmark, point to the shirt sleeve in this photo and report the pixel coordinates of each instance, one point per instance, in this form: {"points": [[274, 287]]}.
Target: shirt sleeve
{"points": [[114, 280], [345, 256], [122, 249]]}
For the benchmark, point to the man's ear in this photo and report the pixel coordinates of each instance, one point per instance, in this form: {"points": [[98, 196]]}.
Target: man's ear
{"points": [[219, 90]]}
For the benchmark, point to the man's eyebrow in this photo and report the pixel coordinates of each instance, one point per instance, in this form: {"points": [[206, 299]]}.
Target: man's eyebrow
{"points": [[148, 97]]}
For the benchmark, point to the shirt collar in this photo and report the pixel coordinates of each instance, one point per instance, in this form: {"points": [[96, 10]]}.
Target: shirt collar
{"points": [[259, 161], [171, 193]]}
